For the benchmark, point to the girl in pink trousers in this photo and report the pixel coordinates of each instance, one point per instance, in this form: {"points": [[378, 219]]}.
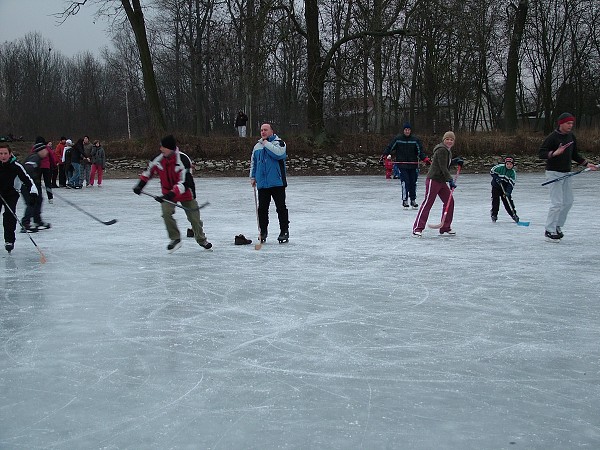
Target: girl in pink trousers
{"points": [[98, 163], [439, 183]]}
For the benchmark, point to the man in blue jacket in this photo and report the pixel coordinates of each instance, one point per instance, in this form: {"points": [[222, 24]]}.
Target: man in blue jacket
{"points": [[268, 175]]}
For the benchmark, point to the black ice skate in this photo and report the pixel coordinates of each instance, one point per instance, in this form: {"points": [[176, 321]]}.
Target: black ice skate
{"points": [[8, 246], [174, 245], [283, 237]]}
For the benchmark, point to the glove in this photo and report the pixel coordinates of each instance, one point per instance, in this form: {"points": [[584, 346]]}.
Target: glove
{"points": [[452, 184], [427, 160], [33, 197], [458, 161], [138, 187], [169, 196], [508, 189]]}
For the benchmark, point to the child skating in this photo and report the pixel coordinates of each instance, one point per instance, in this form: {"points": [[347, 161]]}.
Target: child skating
{"points": [[504, 177]]}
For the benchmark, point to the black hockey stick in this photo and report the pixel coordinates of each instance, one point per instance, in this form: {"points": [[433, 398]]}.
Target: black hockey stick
{"points": [[109, 222], [42, 256], [570, 174], [156, 197], [512, 211]]}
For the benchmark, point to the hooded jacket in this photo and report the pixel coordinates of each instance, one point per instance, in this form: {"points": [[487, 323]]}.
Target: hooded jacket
{"points": [[267, 165]]}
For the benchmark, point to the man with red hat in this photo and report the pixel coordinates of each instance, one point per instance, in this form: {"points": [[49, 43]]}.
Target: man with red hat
{"points": [[559, 149]]}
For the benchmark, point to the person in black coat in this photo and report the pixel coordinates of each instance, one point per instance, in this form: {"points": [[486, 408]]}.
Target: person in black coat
{"points": [[10, 169]]}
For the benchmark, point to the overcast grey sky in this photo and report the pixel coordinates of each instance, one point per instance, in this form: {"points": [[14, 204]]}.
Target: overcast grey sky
{"points": [[77, 34]]}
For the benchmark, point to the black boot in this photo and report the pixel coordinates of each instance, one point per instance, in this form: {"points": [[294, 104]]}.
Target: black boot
{"points": [[284, 236]]}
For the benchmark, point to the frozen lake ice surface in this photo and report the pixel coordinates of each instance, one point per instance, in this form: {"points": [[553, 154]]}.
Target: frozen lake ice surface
{"points": [[354, 335]]}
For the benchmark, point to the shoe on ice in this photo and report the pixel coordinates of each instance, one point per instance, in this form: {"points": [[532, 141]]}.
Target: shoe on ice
{"points": [[206, 245], [51, 200], [414, 204], [417, 234], [515, 218], [26, 228], [552, 237], [8, 246], [174, 245], [284, 236], [405, 203], [263, 238], [559, 232], [494, 218], [240, 239], [43, 226], [448, 233]]}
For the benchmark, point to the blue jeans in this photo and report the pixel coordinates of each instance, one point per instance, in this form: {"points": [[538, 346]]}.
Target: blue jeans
{"points": [[75, 179]]}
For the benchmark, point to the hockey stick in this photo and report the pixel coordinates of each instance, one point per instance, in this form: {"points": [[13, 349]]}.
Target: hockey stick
{"points": [[42, 256], [441, 224], [258, 245], [155, 197], [108, 222], [586, 169], [512, 211]]}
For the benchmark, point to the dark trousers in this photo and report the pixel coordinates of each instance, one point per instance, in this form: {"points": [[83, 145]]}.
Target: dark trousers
{"points": [[408, 179], [62, 175], [47, 176], [507, 201], [32, 211], [264, 201], [9, 221], [55, 172]]}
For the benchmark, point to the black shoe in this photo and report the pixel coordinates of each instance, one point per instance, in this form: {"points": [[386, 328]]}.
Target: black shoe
{"points": [[516, 218], [43, 226], [414, 204], [405, 203], [284, 236], [190, 232], [8, 246], [559, 233], [552, 237], [240, 239], [26, 228], [263, 238], [174, 245], [494, 218], [206, 245]]}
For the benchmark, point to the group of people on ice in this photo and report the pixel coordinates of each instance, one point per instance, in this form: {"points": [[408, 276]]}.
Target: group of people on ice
{"points": [[268, 178], [402, 155]]}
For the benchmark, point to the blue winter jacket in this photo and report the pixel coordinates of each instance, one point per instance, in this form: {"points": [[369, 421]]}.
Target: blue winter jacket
{"points": [[267, 166]]}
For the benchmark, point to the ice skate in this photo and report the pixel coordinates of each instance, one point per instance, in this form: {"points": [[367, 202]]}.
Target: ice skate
{"points": [[283, 237], [8, 246], [174, 245]]}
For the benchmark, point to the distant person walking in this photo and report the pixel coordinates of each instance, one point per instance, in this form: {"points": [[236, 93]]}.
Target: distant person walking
{"points": [[439, 183], [559, 149], [407, 150], [240, 123], [86, 161], [268, 175], [175, 182]]}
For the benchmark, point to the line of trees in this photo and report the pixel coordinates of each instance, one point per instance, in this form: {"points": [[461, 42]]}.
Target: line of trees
{"points": [[318, 67]]}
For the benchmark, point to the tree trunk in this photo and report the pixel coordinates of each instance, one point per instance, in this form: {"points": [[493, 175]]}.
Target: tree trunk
{"points": [[133, 9], [316, 73], [512, 68]]}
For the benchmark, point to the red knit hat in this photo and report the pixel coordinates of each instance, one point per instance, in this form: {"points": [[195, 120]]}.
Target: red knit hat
{"points": [[565, 117]]}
